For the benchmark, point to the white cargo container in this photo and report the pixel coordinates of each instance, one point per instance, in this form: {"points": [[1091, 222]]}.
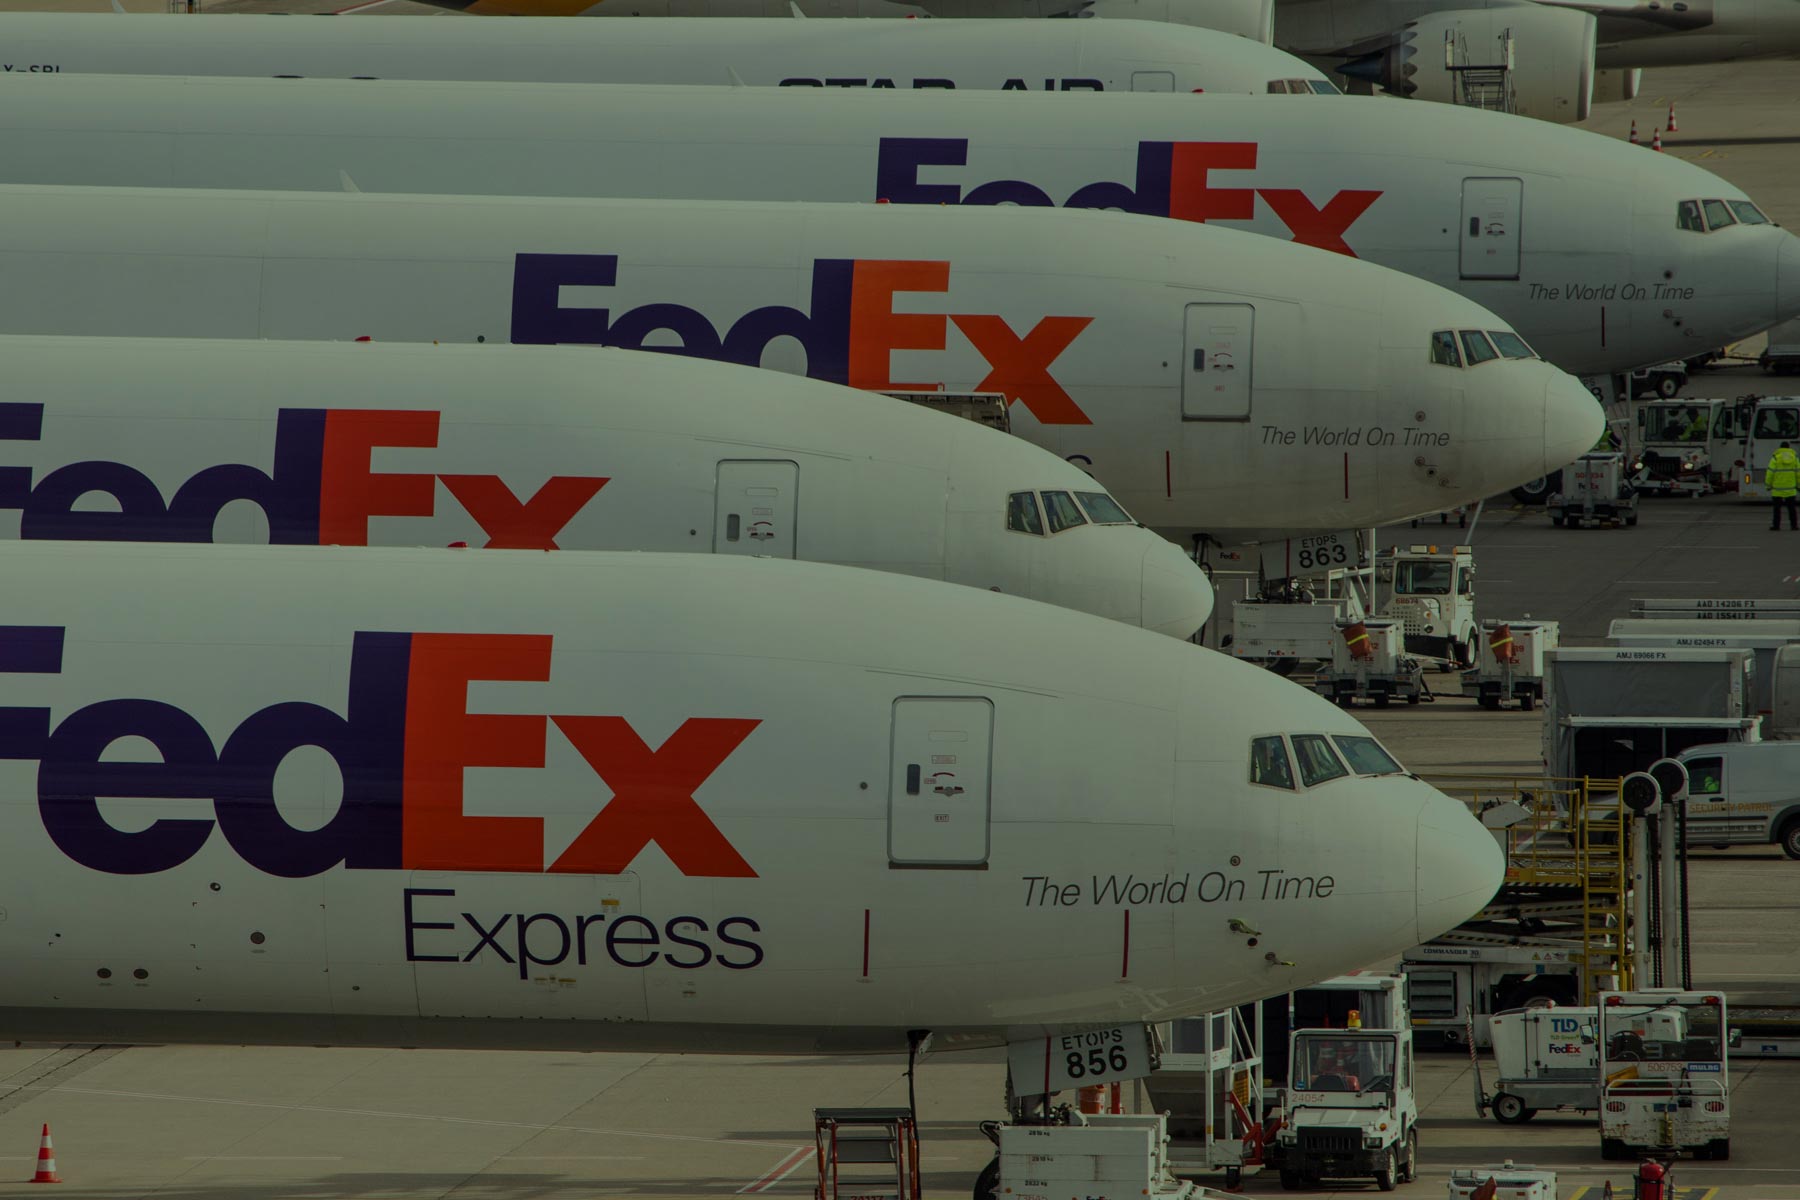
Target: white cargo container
{"points": [[1546, 1058], [1103, 1155], [1510, 662], [1512, 1181]]}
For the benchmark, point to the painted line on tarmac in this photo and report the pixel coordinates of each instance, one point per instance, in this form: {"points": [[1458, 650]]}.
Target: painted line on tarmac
{"points": [[264, 1158], [778, 1172], [407, 1116]]}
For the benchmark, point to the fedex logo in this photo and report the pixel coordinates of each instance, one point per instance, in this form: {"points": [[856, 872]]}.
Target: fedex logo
{"points": [[401, 745], [853, 325], [320, 488], [1174, 179]]}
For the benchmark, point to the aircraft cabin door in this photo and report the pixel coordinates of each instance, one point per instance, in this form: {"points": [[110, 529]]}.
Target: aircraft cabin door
{"points": [[1215, 378], [1153, 81], [756, 508], [1490, 228], [938, 781]]}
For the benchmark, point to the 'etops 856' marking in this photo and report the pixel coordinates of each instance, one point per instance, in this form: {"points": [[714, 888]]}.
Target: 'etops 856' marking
{"points": [[401, 746], [1172, 181], [849, 334], [319, 490]]}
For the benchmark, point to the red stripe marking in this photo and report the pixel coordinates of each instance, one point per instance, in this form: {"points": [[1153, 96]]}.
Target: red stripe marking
{"points": [[1168, 475], [1046, 1090], [1125, 965], [779, 1171], [865, 973]]}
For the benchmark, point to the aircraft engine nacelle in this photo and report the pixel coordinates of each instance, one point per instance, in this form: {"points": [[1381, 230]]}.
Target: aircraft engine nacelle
{"points": [[1253, 19], [1612, 87], [1552, 59]]}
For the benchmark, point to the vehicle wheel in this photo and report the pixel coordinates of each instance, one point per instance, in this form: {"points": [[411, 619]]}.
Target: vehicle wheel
{"points": [[1790, 838], [1290, 1180], [1412, 697], [1631, 520], [1384, 1171], [1510, 1110], [987, 1184], [1234, 1178], [1284, 666], [1527, 702], [1612, 1149], [1381, 699], [1465, 651], [1409, 1165], [1491, 703], [1719, 1150], [1533, 492], [1667, 386]]}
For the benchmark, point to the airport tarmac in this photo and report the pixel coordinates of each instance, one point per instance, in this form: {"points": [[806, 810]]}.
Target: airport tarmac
{"points": [[323, 1124]]}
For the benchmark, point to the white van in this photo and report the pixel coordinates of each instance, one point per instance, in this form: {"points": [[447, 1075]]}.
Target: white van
{"points": [[1744, 793]]}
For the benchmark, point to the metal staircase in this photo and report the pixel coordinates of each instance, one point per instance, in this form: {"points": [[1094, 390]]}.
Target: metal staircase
{"points": [[1480, 85]]}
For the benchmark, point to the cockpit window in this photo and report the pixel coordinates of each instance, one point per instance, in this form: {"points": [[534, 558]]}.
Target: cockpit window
{"points": [[1718, 215], [1510, 344], [1317, 763], [1477, 347], [1022, 514], [1269, 763], [1747, 212], [1324, 87], [1102, 509], [1443, 349], [1687, 216], [1366, 757], [1062, 512]]}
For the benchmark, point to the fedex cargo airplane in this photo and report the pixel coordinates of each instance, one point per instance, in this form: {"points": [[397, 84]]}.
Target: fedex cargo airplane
{"points": [[1068, 56], [545, 448], [1214, 382], [1583, 245], [609, 801]]}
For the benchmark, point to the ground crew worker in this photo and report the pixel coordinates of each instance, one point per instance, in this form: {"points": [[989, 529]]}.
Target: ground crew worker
{"points": [[1696, 429], [1782, 478]]}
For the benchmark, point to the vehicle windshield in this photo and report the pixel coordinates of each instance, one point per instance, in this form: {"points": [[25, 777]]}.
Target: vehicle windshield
{"points": [[1675, 1031], [1676, 423], [1343, 1062], [1510, 344], [1777, 424], [1366, 757], [1421, 577]]}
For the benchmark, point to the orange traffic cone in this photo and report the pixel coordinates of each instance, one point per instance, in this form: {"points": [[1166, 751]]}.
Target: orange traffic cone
{"points": [[46, 1172], [1634, 136], [1673, 127], [1656, 141]]}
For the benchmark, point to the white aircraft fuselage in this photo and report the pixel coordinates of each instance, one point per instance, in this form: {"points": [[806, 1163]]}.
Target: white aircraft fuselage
{"points": [[545, 448], [598, 801], [1573, 239], [1211, 380]]}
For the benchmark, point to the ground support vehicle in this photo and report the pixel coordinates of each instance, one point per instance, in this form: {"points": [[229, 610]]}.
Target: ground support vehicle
{"points": [[1348, 1110], [1546, 1057], [1510, 663], [1725, 446], [1092, 1155], [1282, 635], [1744, 794], [1664, 1074], [1782, 355], [1776, 420], [1432, 592], [1764, 637], [1369, 663], [1671, 456], [1210, 1075], [1595, 492], [1511, 1182], [1664, 379]]}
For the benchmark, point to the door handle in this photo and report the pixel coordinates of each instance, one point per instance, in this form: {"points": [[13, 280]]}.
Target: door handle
{"points": [[1474, 226], [912, 779], [731, 528]]}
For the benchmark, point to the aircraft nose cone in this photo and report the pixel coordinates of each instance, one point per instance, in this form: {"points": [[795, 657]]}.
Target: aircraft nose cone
{"points": [[1459, 867], [1573, 421], [1177, 598], [1787, 279]]}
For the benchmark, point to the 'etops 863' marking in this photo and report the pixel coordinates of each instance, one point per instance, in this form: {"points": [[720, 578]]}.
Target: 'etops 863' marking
{"points": [[401, 746], [319, 490], [849, 334]]}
